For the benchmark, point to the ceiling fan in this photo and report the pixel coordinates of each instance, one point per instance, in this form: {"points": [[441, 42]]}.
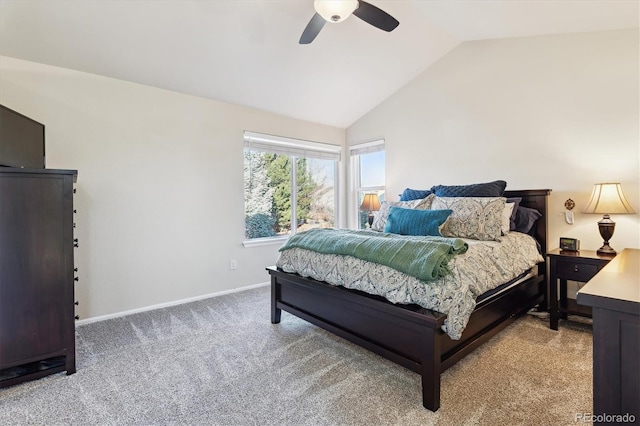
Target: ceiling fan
{"points": [[338, 10]]}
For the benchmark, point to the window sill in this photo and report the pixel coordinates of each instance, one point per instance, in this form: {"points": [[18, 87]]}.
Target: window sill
{"points": [[269, 241]]}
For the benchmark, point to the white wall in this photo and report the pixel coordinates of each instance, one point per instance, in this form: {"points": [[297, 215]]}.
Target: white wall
{"points": [[160, 173], [160, 186], [558, 112]]}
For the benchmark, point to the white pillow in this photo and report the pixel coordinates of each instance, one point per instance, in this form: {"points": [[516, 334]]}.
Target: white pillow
{"points": [[506, 217]]}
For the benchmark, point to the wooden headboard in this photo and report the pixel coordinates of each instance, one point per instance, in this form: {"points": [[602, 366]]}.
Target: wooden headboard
{"points": [[535, 199]]}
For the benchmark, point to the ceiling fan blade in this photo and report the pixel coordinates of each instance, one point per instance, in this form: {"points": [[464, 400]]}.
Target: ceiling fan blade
{"points": [[375, 16], [313, 28]]}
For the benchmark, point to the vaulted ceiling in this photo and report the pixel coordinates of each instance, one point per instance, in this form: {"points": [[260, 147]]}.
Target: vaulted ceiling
{"points": [[246, 51]]}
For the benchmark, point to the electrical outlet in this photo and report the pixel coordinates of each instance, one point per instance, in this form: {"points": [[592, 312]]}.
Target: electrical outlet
{"points": [[233, 264]]}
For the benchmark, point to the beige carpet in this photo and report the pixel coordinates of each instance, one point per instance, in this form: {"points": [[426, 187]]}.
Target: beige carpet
{"points": [[527, 375], [221, 362]]}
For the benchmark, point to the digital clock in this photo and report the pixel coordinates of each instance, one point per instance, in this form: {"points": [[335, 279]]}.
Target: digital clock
{"points": [[569, 244]]}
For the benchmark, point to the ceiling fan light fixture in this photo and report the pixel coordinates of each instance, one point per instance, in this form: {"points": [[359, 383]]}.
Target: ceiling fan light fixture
{"points": [[335, 10]]}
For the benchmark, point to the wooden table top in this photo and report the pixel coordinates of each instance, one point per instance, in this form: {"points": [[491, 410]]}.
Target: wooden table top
{"points": [[617, 285]]}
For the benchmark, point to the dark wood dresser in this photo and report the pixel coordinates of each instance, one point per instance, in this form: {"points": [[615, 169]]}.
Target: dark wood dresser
{"points": [[37, 324], [614, 296]]}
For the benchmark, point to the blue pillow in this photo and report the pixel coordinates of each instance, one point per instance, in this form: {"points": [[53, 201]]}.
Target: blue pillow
{"points": [[414, 194], [489, 189], [525, 218], [512, 220], [415, 222]]}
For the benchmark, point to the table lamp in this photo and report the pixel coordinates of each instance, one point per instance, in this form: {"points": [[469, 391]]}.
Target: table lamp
{"points": [[370, 203], [606, 199]]}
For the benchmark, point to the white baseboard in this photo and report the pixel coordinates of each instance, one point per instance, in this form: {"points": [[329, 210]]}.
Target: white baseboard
{"points": [[167, 304]]}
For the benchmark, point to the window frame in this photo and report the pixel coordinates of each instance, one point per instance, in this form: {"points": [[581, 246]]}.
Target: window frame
{"points": [[355, 151], [295, 149]]}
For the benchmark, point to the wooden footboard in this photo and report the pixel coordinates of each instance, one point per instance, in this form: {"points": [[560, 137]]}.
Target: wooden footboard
{"points": [[408, 335], [405, 334], [368, 321]]}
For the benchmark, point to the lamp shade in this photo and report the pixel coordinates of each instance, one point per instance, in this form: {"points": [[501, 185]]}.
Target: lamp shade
{"points": [[370, 202], [607, 198]]}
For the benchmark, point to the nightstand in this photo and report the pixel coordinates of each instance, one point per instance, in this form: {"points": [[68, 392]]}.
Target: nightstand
{"points": [[574, 266]]}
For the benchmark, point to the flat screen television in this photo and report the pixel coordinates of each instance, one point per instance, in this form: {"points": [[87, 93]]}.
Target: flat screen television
{"points": [[21, 140]]}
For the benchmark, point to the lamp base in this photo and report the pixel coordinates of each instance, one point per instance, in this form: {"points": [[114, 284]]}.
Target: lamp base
{"points": [[606, 226], [370, 220], [606, 250]]}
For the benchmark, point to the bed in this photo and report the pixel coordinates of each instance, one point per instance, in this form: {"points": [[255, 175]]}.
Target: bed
{"points": [[408, 334]]}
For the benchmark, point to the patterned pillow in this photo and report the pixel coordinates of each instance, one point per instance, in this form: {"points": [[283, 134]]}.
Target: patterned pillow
{"points": [[380, 217], [478, 218], [489, 189], [425, 203], [415, 222]]}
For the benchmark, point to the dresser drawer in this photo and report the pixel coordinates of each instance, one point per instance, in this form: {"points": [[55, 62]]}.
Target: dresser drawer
{"points": [[576, 271]]}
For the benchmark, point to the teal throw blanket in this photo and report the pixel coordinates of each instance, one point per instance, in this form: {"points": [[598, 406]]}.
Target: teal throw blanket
{"points": [[425, 258]]}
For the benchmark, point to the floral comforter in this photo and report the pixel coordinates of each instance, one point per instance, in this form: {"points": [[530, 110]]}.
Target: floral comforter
{"points": [[485, 265]]}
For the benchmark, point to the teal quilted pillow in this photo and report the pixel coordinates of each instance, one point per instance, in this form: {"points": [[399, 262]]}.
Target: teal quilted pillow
{"points": [[415, 222]]}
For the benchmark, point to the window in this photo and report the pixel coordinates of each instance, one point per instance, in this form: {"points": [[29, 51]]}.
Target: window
{"points": [[367, 176], [289, 185]]}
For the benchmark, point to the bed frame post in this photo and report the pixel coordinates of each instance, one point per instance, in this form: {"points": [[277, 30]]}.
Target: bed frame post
{"points": [[276, 312], [431, 369]]}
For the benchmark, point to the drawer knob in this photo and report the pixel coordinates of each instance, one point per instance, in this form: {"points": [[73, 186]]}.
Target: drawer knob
{"points": [[575, 268]]}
